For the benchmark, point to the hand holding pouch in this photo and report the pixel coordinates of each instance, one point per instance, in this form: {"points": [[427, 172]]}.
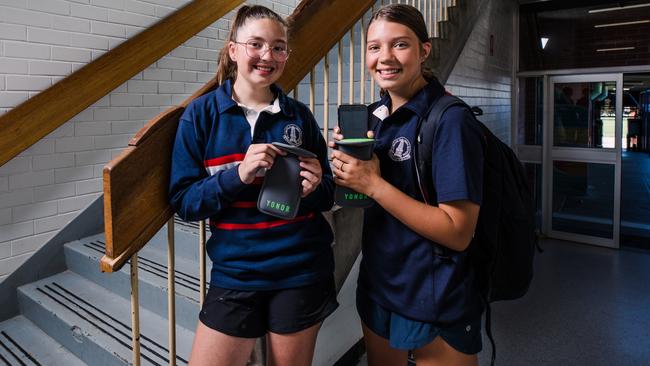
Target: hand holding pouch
{"points": [[361, 149], [280, 193]]}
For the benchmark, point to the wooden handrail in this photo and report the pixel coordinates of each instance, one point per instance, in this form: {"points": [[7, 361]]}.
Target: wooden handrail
{"points": [[136, 204], [32, 120], [135, 190]]}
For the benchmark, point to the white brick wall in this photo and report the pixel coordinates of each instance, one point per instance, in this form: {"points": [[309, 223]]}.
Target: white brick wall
{"points": [[484, 80], [42, 41]]}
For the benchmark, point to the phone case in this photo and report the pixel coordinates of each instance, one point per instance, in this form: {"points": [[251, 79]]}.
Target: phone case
{"points": [[280, 193], [362, 149], [353, 122]]}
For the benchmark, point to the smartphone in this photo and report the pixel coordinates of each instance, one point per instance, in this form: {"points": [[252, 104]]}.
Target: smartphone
{"points": [[353, 121]]}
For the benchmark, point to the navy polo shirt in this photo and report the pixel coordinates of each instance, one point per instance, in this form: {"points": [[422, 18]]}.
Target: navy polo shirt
{"points": [[399, 269]]}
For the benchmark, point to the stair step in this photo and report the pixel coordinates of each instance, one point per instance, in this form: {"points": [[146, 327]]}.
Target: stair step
{"points": [[83, 257], [95, 324], [23, 343], [186, 239]]}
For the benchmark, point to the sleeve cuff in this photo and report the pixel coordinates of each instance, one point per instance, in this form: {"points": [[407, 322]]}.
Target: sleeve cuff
{"points": [[230, 183]]}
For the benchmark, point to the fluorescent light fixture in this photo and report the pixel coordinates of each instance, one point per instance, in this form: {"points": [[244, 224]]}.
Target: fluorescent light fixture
{"points": [[618, 8], [626, 88], [544, 41], [615, 49], [623, 23]]}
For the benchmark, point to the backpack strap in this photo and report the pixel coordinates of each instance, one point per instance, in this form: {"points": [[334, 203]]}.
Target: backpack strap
{"points": [[426, 131], [488, 331]]}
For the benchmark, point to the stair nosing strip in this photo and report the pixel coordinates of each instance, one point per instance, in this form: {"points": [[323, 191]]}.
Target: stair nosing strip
{"points": [[189, 284], [159, 264], [153, 270], [4, 359], [95, 325], [29, 355], [11, 353], [126, 326]]}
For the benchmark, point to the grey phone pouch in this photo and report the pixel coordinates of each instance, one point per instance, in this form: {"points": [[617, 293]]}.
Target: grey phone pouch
{"points": [[280, 193]]}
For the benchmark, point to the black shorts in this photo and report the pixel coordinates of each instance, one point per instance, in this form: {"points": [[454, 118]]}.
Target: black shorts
{"points": [[250, 314]]}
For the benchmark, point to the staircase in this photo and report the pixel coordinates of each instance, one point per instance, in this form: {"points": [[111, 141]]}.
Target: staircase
{"points": [[453, 33], [82, 316]]}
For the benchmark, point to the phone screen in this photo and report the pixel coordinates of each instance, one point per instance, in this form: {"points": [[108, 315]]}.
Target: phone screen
{"points": [[353, 120]]}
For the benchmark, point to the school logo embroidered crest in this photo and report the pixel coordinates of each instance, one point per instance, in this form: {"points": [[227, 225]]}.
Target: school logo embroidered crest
{"points": [[293, 135], [400, 149]]}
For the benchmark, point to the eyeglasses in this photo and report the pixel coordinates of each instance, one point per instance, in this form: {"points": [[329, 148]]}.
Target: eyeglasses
{"points": [[257, 49]]}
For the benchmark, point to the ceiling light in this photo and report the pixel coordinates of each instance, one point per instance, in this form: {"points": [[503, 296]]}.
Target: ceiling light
{"points": [[614, 49], [544, 41], [618, 8], [623, 23]]}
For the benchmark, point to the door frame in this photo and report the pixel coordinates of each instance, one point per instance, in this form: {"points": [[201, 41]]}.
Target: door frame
{"points": [[579, 154]]}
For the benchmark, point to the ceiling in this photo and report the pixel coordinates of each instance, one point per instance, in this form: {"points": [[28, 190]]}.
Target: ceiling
{"points": [[574, 9]]}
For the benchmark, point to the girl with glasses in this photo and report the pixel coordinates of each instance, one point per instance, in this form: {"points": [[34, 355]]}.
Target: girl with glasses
{"points": [[416, 288], [270, 277]]}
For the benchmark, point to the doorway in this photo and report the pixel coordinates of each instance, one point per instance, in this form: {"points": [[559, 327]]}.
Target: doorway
{"points": [[582, 156]]}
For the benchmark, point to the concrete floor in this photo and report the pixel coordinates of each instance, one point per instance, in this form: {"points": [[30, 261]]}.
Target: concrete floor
{"points": [[586, 306]]}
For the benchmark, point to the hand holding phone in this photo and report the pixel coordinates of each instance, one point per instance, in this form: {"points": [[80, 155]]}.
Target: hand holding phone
{"points": [[353, 125]]}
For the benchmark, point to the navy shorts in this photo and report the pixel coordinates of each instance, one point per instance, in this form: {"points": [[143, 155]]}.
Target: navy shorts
{"points": [[408, 334], [251, 314]]}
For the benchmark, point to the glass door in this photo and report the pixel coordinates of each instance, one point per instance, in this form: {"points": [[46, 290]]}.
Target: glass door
{"points": [[582, 164]]}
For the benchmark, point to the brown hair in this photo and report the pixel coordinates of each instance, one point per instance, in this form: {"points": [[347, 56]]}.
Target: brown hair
{"points": [[410, 17], [227, 68]]}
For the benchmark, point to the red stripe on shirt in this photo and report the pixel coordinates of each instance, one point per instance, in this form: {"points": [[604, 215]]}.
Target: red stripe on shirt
{"points": [[244, 204], [260, 225], [224, 160]]}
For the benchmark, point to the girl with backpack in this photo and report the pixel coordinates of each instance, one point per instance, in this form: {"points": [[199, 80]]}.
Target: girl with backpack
{"points": [[270, 277], [416, 288]]}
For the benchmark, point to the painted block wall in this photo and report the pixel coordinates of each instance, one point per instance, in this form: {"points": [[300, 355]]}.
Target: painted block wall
{"points": [[483, 78]]}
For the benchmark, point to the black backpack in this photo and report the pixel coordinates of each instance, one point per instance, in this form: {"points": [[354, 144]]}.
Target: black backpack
{"points": [[504, 242]]}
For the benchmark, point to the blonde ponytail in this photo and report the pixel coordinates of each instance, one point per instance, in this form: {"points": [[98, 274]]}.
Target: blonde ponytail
{"points": [[227, 68]]}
